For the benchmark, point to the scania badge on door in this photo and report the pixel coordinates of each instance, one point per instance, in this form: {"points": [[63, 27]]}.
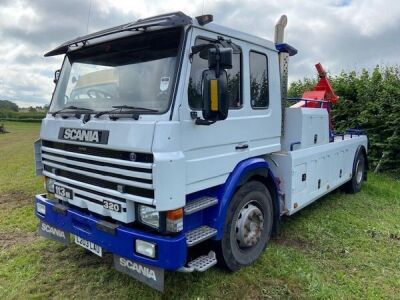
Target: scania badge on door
{"points": [[84, 135]]}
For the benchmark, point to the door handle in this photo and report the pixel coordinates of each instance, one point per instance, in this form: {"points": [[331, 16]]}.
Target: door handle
{"points": [[242, 147]]}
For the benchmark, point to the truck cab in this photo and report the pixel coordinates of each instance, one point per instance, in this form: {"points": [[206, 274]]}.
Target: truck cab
{"points": [[161, 134]]}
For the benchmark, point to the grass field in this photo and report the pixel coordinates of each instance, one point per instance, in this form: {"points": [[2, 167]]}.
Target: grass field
{"points": [[343, 246]]}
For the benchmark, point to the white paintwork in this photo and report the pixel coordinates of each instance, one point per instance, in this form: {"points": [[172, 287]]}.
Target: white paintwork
{"points": [[236, 34], [322, 162], [210, 150], [125, 134], [128, 216], [190, 158], [302, 125]]}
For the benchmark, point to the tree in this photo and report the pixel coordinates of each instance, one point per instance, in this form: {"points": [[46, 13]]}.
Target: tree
{"points": [[8, 105]]}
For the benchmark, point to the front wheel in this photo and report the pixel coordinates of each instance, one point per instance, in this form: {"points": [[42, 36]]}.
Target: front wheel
{"points": [[248, 226]]}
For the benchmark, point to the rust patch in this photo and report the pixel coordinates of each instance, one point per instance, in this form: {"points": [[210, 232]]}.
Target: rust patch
{"points": [[10, 239], [15, 199]]}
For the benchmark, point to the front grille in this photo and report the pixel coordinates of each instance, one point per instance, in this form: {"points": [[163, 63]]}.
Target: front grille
{"points": [[119, 199], [110, 174], [99, 182], [124, 155], [96, 174], [101, 163]]}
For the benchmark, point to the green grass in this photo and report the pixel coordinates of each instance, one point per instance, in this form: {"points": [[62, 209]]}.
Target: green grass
{"points": [[341, 247]]}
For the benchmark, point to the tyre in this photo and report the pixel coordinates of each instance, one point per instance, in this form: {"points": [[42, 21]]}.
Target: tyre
{"points": [[247, 227], [354, 185]]}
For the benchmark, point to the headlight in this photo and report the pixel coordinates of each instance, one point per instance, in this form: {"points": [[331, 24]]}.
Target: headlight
{"points": [[145, 248], [50, 185], [149, 216], [41, 208]]}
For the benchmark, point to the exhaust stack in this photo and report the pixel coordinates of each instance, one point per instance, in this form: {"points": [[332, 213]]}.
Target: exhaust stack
{"points": [[285, 51], [283, 56]]}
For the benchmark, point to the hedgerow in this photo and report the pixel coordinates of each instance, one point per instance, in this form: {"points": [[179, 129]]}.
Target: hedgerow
{"points": [[369, 100]]}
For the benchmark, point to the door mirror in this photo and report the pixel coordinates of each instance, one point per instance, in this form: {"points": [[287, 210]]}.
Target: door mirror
{"points": [[215, 96], [56, 76], [220, 58]]}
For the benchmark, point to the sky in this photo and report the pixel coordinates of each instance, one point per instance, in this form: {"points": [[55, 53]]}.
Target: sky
{"points": [[341, 34]]}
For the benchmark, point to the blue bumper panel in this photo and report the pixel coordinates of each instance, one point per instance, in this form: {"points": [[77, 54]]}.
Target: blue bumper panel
{"points": [[171, 251]]}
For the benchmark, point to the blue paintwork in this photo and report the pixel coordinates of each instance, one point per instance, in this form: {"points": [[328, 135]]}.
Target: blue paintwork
{"points": [[203, 217], [171, 251], [355, 131], [286, 48], [214, 216], [229, 188]]}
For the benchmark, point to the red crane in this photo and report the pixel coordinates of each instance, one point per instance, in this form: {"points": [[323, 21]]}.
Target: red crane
{"points": [[322, 96]]}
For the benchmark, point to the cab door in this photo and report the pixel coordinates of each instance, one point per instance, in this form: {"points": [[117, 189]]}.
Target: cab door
{"points": [[213, 151]]}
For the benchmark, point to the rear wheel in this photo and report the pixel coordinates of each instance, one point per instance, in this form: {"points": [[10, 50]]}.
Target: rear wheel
{"points": [[354, 185], [247, 227]]}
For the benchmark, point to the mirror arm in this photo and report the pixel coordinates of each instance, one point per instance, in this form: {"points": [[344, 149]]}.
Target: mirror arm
{"points": [[217, 67], [200, 121]]}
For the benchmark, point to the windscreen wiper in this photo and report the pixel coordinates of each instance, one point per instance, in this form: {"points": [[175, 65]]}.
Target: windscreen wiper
{"points": [[120, 110], [71, 107]]}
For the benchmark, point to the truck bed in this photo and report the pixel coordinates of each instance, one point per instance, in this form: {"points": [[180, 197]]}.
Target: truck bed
{"points": [[308, 174]]}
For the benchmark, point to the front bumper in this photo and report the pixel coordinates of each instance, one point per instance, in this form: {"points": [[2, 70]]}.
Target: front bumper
{"points": [[171, 251]]}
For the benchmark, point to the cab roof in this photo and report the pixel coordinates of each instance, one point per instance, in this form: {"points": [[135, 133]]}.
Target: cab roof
{"points": [[174, 19]]}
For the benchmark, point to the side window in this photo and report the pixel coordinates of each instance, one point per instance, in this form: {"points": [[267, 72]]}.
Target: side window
{"points": [[259, 87], [234, 80]]}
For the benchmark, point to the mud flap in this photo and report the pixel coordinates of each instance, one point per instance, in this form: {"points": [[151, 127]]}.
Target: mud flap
{"points": [[53, 233], [150, 275]]}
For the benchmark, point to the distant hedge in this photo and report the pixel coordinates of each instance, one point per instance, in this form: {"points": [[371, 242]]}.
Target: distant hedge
{"points": [[21, 120], [368, 100], [9, 115]]}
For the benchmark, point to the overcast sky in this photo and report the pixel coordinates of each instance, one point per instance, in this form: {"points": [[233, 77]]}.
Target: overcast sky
{"points": [[341, 34]]}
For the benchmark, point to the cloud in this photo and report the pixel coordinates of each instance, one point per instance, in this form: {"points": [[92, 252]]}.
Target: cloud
{"points": [[341, 34]]}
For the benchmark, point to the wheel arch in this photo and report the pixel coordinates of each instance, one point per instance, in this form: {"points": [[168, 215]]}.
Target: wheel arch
{"points": [[250, 169]]}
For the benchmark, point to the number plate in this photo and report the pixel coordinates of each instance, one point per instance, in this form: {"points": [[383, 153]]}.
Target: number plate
{"points": [[63, 192], [112, 206], [89, 246]]}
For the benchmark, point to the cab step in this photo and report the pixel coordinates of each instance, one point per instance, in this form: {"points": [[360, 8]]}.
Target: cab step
{"points": [[200, 204], [203, 262], [199, 235], [200, 264]]}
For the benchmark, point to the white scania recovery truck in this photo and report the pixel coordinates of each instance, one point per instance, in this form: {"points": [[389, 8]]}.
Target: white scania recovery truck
{"points": [[169, 144]]}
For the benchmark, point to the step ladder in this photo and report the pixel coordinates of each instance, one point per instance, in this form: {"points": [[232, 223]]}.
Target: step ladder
{"points": [[200, 204], [199, 235], [200, 264]]}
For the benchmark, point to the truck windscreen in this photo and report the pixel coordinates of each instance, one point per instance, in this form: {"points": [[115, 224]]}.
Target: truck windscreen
{"points": [[137, 71]]}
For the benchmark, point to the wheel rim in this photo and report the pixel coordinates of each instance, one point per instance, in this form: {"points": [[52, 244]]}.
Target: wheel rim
{"points": [[249, 225], [359, 172]]}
